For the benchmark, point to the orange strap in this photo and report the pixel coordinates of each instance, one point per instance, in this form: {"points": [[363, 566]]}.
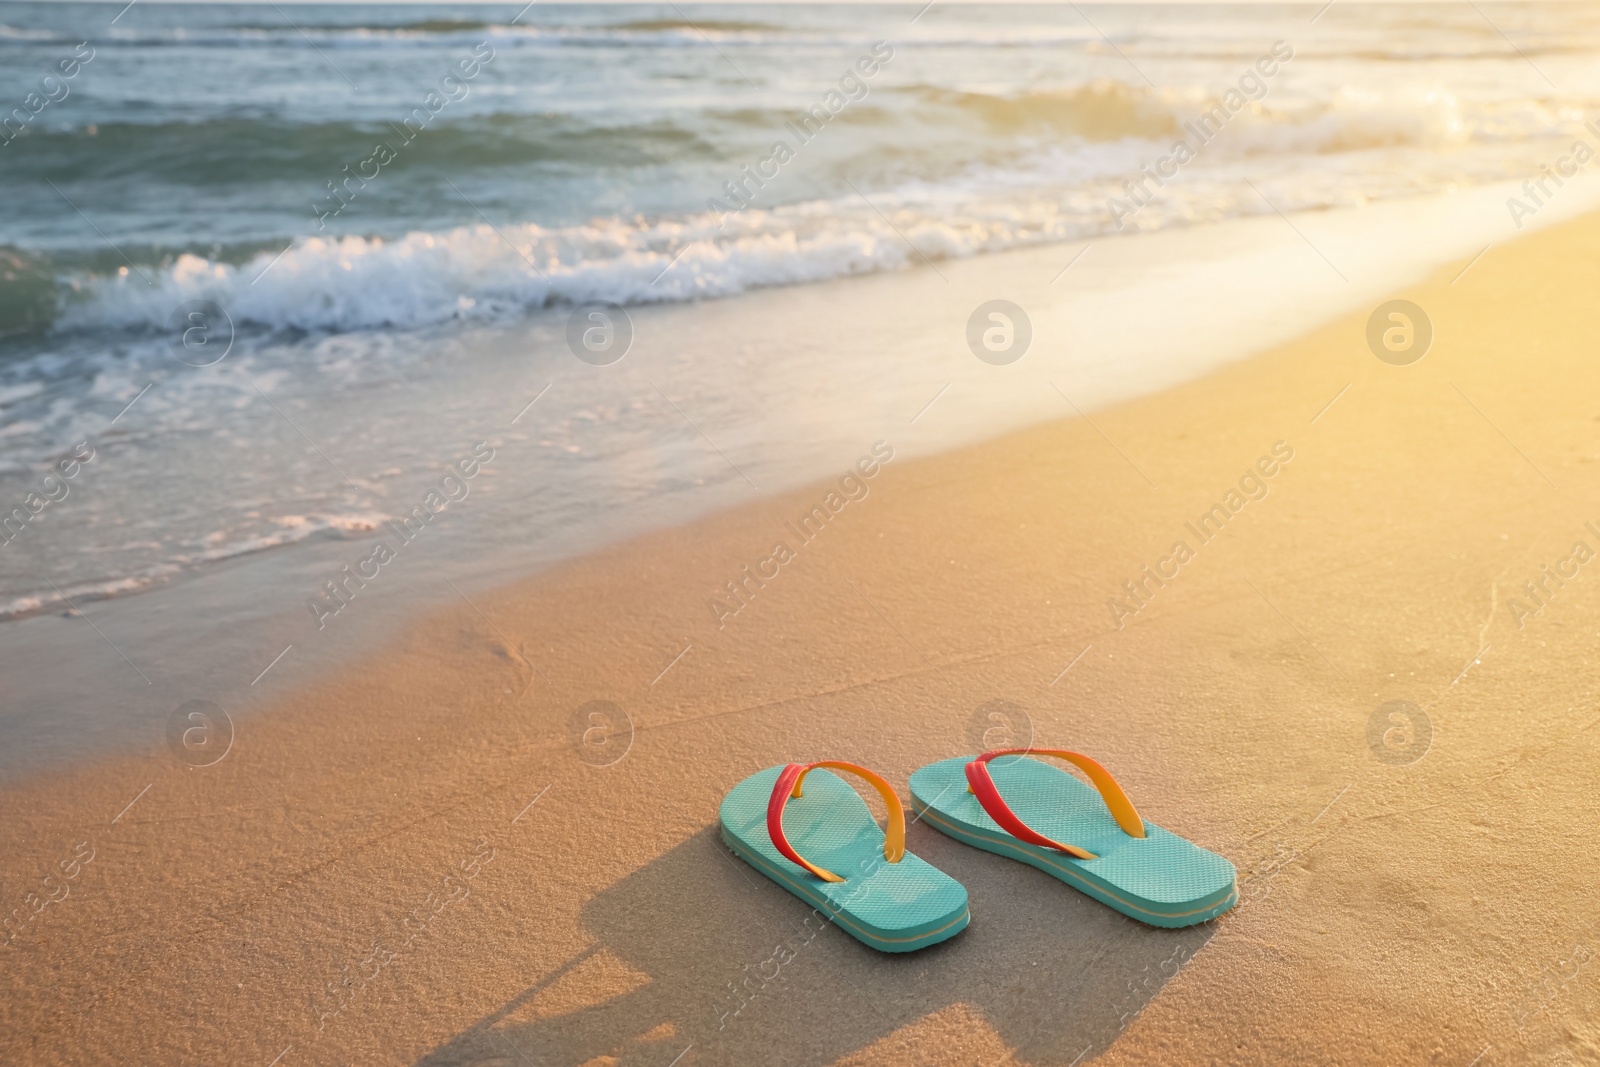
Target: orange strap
{"points": [[981, 785], [788, 784]]}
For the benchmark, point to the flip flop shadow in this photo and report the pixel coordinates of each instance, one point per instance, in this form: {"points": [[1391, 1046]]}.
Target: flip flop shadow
{"points": [[735, 970]]}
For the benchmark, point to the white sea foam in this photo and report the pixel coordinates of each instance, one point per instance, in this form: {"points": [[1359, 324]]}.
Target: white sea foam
{"points": [[50, 599], [215, 546]]}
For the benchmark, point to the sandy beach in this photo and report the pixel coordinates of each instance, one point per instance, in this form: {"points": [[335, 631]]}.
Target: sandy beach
{"points": [[449, 853]]}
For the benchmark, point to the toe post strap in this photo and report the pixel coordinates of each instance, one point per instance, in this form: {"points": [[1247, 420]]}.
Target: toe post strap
{"points": [[981, 784], [788, 786]]}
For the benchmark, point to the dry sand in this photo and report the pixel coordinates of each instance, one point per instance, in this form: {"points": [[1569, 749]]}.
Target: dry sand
{"points": [[1436, 911]]}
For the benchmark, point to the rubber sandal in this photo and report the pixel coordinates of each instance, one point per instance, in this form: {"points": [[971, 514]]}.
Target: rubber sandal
{"points": [[1117, 858], [883, 896]]}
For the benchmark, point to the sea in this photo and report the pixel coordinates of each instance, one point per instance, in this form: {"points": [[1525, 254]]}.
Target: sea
{"points": [[280, 270]]}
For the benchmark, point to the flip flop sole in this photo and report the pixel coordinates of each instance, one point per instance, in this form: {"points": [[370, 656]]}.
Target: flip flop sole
{"points": [[892, 907], [1021, 851], [828, 908], [1161, 879]]}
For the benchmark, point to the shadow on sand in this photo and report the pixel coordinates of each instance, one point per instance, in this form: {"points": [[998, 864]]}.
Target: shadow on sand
{"points": [[728, 968]]}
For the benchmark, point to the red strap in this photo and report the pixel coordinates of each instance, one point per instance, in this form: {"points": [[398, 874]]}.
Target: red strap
{"points": [[983, 787], [792, 777]]}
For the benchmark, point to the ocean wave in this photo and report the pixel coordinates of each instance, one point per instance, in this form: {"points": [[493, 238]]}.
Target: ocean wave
{"points": [[219, 545], [1055, 190], [245, 149], [430, 33], [28, 293], [1102, 110], [447, 26], [422, 26], [25, 604], [714, 25], [480, 273], [1351, 119], [477, 272], [248, 150]]}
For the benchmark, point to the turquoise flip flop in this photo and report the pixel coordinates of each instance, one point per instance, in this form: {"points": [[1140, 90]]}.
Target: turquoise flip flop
{"points": [[887, 898], [1120, 860]]}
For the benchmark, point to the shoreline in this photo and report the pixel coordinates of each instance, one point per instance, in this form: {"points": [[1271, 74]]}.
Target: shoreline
{"points": [[1440, 228], [775, 389], [282, 884]]}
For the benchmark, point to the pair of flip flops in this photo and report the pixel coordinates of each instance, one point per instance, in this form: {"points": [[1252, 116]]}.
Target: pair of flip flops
{"points": [[806, 829]]}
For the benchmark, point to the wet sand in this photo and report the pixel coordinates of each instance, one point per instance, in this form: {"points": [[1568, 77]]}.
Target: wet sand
{"points": [[449, 853]]}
